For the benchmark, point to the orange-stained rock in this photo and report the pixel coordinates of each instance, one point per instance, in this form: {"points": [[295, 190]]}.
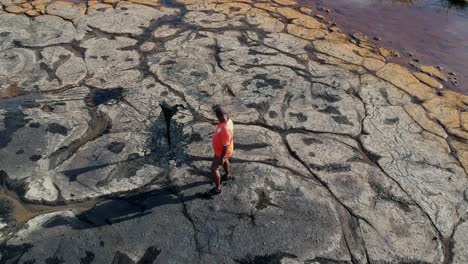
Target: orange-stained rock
{"points": [[387, 53], [285, 2], [95, 6], [373, 64], [421, 117], [464, 120], [15, 9], [457, 99], [194, 2], [458, 132], [26, 6], [430, 70], [402, 78], [305, 10], [266, 6], [145, 2], [427, 80], [232, 9], [445, 111], [39, 2], [300, 19], [340, 50], [336, 36], [32, 12], [305, 33], [341, 63], [66, 10], [369, 47], [264, 21], [93, 2], [290, 13], [461, 150]]}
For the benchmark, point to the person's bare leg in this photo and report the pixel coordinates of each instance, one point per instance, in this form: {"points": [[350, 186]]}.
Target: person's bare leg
{"points": [[215, 173], [227, 168]]}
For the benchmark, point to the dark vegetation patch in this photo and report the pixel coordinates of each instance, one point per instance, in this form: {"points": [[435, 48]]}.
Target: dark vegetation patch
{"points": [[416, 100], [264, 199], [4, 34], [13, 120], [262, 80], [260, 107], [88, 259], [342, 120], [116, 147], [54, 260], [391, 121], [168, 62], [265, 259], [198, 74], [35, 158], [6, 209], [301, 118], [35, 125], [195, 137], [310, 141], [330, 110], [55, 128], [272, 114], [234, 9], [384, 93], [331, 98], [385, 194], [13, 253]]}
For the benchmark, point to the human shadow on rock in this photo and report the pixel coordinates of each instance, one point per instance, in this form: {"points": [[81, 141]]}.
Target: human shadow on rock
{"points": [[121, 209]]}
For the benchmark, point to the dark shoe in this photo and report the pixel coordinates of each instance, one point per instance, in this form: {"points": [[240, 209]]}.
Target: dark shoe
{"points": [[214, 191], [227, 178]]}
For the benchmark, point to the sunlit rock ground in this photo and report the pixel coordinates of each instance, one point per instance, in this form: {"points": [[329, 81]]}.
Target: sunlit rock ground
{"points": [[340, 156]]}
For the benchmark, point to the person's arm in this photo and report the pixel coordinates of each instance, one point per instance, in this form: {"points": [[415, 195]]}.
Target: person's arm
{"points": [[224, 152], [226, 140]]}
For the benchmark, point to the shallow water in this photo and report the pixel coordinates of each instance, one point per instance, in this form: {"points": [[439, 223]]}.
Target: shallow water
{"points": [[434, 31]]}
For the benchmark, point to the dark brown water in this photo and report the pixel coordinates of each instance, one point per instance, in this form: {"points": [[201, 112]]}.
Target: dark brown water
{"points": [[434, 31]]}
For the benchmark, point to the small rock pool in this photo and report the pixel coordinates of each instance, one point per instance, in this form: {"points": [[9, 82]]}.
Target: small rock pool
{"points": [[434, 32]]}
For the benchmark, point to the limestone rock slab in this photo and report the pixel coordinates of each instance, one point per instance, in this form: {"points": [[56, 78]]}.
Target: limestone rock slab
{"points": [[382, 207], [111, 67], [421, 162], [128, 18], [460, 239]]}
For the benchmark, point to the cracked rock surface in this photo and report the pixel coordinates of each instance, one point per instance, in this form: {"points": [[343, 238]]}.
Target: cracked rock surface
{"points": [[340, 156]]}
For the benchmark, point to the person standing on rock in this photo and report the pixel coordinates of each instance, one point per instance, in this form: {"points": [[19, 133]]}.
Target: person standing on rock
{"points": [[223, 147]]}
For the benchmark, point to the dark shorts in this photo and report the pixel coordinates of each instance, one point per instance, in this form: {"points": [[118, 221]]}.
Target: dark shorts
{"points": [[217, 162]]}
